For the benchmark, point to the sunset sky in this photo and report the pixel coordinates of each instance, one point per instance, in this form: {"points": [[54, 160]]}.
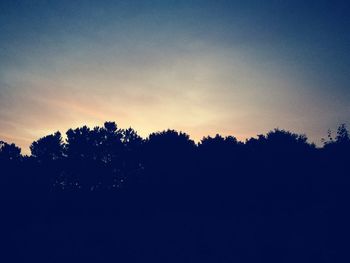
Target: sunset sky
{"points": [[203, 67]]}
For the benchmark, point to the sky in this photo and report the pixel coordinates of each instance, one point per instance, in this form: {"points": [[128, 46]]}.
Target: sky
{"points": [[237, 68]]}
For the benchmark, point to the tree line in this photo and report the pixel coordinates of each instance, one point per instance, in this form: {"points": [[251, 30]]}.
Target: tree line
{"points": [[275, 196], [109, 158]]}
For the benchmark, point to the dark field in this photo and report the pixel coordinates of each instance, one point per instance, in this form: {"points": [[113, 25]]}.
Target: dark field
{"points": [[107, 195]]}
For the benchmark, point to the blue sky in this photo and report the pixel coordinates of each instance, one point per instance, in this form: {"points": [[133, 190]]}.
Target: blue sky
{"points": [[204, 67]]}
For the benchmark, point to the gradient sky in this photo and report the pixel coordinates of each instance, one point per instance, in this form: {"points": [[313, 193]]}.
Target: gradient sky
{"points": [[203, 67]]}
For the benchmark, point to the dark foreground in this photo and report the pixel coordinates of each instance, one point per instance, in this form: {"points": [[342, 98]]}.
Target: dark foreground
{"points": [[270, 223], [165, 199]]}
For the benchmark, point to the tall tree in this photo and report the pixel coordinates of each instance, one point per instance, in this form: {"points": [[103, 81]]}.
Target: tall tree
{"points": [[9, 151], [47, 148]]}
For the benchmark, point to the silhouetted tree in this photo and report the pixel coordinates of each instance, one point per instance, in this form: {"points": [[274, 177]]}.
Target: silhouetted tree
{"points": [[286, 141], [343, 136], [9, 151], [265, 188], [218, 143], [220, 156], [107, 156], [50, 147], [336, 150], [168, 155]]}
